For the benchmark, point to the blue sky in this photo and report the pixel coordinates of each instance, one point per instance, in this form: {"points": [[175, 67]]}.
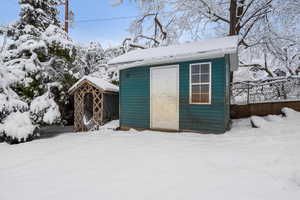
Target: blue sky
{"points": [[106, 32]]}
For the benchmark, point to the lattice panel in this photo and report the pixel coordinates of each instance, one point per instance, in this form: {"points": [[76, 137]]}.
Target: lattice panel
{"points": [[97, 119]]}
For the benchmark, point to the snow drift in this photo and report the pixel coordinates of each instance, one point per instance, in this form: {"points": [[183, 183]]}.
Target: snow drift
{"points": [[288, 117]]}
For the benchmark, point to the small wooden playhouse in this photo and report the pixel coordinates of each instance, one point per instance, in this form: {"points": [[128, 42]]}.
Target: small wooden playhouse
{"points": [[95, 102], [180, 88]]}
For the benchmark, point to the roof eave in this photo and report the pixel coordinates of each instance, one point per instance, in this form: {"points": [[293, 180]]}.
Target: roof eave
{"points": [[86, 79], [207, 55], [73, 89]]}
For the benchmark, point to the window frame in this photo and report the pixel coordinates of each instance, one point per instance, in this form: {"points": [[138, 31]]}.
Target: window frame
{"points": [[191, 84]]}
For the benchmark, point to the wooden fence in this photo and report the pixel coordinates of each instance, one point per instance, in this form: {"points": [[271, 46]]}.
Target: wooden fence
{"points": [[261, 109]]}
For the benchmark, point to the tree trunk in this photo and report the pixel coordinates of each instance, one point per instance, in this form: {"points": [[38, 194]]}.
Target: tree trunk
{"points": [[233, 17], [235, 14]]}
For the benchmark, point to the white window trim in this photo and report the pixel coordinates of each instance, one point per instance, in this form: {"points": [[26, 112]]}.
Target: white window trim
{"points": [[190, 83]]}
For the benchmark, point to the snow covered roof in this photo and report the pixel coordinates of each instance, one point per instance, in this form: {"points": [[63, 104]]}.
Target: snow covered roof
{"points": [[182, 52], [98, 82]]}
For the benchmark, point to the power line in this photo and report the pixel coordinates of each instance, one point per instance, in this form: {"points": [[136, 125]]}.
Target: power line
{"points": [[105, 19], [111, 18]]}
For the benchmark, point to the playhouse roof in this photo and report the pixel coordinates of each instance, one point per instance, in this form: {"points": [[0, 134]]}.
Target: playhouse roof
{"points": [[97, 82], [181, 52]]}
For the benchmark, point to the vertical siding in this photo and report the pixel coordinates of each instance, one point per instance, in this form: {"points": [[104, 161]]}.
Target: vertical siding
{"points": [[202, 117], [135, 97], [227, 92]]}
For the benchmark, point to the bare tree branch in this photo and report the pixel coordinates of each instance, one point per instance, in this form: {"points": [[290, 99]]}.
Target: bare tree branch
{"points": [[160, 27], [148, 38], [211, 13], [137, 46], [257, 13]]}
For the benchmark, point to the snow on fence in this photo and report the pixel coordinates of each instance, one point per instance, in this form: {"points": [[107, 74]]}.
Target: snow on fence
{"points": [[269, 90]]}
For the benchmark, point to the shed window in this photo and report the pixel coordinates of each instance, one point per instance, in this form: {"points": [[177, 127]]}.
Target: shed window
{"points": [[200, 83]]}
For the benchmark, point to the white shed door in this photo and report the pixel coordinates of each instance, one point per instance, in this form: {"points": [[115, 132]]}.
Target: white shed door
{"points": [[165, 97]]}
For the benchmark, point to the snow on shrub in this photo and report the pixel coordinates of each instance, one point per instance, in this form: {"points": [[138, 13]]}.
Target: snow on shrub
{"points": [[44, 110], [273, 118], [258, 122], [55, 36], [17, 127], [270, 121], [9, 100], [290, 113]]}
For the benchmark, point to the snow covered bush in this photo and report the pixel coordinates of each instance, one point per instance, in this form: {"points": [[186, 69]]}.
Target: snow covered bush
{"points": [[9, 100], [258, 122], [17, 127], [15, 123], [40, 56], [44, 110], [36, 70], [268, 122], [290, 113]]}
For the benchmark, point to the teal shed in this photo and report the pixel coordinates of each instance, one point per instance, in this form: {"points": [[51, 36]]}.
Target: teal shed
{"points": [[182, 87]]}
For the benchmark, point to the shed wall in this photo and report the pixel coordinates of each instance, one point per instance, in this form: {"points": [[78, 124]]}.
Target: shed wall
{"points": [[135, 99], [204, 117]]}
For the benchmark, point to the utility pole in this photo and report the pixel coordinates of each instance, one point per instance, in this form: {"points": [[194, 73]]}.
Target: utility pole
{"points": [[67, 16]]}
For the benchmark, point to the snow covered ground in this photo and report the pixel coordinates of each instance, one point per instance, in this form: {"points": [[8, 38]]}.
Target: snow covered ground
{"points": [[245, 163]]}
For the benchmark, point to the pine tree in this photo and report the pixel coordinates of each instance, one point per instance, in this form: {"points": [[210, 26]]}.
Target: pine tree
{"points": [[40, 56], [35, 17]]}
